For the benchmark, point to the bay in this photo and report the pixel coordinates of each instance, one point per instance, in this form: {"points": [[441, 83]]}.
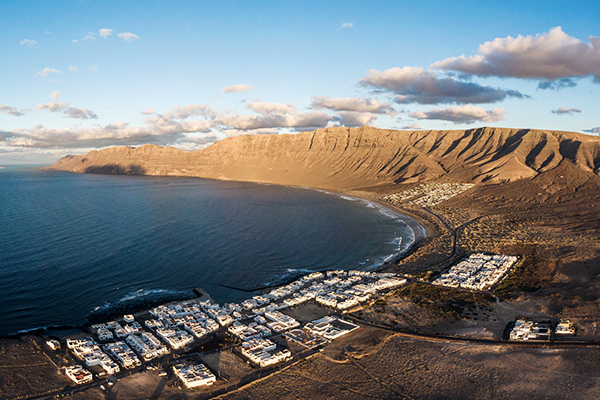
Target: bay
{"points": [[72, 245]]}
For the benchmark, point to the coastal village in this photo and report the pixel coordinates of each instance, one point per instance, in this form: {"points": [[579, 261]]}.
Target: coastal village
{"points": [[258, 326], [269, 330], [262, 330]]}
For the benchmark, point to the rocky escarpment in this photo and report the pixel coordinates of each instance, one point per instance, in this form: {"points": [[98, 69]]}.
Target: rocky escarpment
{"points": [[348, 158]]}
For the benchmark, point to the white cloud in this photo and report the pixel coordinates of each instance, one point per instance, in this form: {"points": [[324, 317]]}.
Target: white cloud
{"points": [[190, 110], [356, 118], [415, 85], [359, 104], [271, 108], [93, 68], [157, 129], [79, 113], [73, 69], [54, 95], [565, 110], [550, 56], [53, 106], [104, 32], [89, 36], [466, 114], [28, 42], [10, 110], [237, 88], [345, 25], [240, 132], [412, 127], [74, 40], [149, 111], [47, 71], [128, 36], [250, 122]]}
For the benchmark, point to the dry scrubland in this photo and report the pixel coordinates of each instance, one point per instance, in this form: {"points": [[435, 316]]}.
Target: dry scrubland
{"points": [[414, 369]]}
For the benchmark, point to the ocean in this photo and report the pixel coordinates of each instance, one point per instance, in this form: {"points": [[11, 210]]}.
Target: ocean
{"points": [[75, 247]]}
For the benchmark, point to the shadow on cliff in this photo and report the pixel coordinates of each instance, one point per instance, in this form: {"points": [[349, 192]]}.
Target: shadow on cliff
{"points": [[115, 169]]}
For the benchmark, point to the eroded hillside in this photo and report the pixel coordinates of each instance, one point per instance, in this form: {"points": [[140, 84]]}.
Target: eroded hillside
{"points": [[346, 158]]}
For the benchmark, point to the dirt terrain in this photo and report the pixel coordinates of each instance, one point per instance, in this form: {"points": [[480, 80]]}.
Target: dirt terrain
{"points": [[25, 370], [399, 368]]}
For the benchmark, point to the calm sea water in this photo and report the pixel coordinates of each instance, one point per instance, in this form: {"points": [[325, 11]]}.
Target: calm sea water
{"points": [[72, 244]]}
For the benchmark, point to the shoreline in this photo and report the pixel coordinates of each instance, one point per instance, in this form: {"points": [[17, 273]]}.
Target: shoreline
{"points": [[420, 230]]}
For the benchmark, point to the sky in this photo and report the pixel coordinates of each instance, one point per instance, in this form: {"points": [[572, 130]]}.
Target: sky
{"points": [[82, 75]]}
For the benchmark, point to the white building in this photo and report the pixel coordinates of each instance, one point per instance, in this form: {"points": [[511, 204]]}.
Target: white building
{"points": [[194, 375], [78, 374]]}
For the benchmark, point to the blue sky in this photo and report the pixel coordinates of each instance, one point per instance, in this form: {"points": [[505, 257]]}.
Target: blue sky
{"points": [[80, 75]]}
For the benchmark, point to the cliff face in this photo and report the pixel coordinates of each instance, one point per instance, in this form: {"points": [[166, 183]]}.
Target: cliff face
{"points": [[347, 158]]}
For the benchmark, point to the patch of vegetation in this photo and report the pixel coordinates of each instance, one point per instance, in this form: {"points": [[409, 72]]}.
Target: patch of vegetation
{"points": [[446, 300], [528, 277]]}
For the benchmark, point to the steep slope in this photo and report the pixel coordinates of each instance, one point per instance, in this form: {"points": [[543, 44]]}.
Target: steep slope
{"points": [[358, 157]]}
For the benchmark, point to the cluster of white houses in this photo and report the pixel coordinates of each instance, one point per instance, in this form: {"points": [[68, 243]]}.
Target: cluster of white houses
{"points": [[526, 329], [194, 375], [264, 352], [123, 354], [429, 194], [478, 272], [88, 351], [175, 326]]}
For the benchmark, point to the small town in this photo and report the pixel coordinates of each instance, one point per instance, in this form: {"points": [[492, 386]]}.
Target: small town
{"points": [[428, 195], [478, 272], [257, 326]]}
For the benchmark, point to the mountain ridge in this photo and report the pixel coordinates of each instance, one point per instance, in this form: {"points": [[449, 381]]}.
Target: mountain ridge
{"points": [[347, 158]]}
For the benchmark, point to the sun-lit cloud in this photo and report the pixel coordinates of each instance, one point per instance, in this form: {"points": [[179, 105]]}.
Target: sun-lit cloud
{"points": [[149, 111], [10, 110], [73, 69], [237, 88], [28, 42], [466, 114], [250, 122], [67, 110], [161, 129], [565, 110], [271, 108], [55, 95], [415, 85], [128, 36], [79, 113], [355, 118], [89, 36], [359, 104], [549, 57], [105, 32], [412, 127], [47, 71], [190, 110], [53, 106]]}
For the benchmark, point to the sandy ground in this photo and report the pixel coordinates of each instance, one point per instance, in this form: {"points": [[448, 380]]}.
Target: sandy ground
{"points": [[26, 370], [413, 369]]}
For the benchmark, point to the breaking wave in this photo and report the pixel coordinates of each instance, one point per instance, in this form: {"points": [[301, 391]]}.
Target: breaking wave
{"points": [[138, 300]]}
